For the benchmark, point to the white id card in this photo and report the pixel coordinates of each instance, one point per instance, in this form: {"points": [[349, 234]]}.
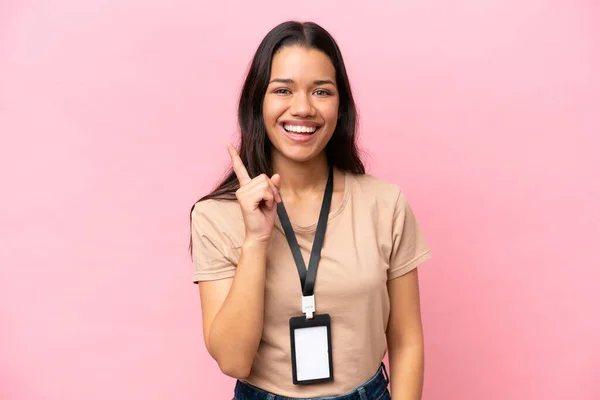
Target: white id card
{"points": [[310, 339]]}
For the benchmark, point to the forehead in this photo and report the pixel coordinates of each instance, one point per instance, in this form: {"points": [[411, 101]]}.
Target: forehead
{"points": [[301, 64]]}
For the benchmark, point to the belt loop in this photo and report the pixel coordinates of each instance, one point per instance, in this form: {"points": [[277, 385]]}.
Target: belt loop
{"points": [[270, 396], [362, 393], [385, 374]]}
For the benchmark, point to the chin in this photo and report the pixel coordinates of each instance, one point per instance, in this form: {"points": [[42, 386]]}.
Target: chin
{"points": [[299, 156]]}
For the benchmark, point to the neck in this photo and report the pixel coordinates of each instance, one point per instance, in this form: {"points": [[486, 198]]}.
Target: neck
{"points": [[298, 178]]}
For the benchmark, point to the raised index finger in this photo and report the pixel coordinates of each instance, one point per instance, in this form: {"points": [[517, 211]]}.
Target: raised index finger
{"points": [[238, 166]]}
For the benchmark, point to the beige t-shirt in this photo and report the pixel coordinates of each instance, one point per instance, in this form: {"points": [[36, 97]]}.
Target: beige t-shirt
{"points": [[371, 237]]}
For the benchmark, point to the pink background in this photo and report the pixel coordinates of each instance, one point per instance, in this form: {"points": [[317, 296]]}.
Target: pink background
{"points": [[114, 116]]}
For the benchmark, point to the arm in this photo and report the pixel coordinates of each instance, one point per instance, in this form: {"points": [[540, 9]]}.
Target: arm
{"points": [[233, 310], [405, 338]]}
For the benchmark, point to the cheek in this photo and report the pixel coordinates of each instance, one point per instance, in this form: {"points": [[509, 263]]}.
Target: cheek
{"points": [[266, 111], [272, 111], [330, 113]]}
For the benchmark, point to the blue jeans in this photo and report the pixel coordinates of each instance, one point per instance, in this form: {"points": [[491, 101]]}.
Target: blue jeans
{"points": [[373, 389]]}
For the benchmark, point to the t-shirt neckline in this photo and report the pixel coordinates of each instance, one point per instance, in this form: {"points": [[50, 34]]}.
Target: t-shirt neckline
{"points": [[332, 213]]}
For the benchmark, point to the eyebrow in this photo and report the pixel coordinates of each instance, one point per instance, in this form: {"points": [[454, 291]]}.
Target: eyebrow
{"points": [[290, 81]]}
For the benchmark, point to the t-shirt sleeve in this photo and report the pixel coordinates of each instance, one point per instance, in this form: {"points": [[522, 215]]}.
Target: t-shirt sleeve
{"points": [[211, 254], [409, 248]]}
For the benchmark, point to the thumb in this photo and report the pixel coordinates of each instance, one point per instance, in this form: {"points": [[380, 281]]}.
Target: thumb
{"points": [[276, 179], [276, 182]]}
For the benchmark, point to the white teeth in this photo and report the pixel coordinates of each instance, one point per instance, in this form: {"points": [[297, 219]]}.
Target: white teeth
{"points": [[300, 129]]}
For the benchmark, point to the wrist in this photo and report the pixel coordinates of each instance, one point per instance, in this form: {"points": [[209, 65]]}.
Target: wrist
{"points": [[251, 244]]}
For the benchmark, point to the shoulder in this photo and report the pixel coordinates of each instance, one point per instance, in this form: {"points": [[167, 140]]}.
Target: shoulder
{"points": [[215, 208], [382, 192], [221, 218]]}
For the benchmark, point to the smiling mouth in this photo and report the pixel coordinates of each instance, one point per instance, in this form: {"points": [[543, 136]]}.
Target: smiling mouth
{"points": [[300, 129]]}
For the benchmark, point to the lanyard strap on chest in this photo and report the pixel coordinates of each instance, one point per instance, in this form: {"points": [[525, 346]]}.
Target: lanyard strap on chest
{"points": [[308, 276]]}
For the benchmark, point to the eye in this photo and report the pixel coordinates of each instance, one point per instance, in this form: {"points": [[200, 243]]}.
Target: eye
{"points": [[281, 91], [321, 92]]}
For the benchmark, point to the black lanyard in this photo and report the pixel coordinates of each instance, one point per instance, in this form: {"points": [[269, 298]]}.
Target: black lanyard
{"points": [[308, 277]]}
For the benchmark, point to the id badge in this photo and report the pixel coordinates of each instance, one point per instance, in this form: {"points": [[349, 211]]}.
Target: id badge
{"points": [[312, 360]]}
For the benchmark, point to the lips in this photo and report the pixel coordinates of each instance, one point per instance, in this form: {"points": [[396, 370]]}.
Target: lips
{"points": [[299, 133], [300, 127]]}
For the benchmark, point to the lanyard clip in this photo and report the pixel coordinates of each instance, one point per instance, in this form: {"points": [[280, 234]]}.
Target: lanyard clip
{"points": [[308, 306]]}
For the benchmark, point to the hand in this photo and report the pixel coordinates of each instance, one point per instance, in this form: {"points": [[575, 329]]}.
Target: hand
{"points": [[258, 199]]}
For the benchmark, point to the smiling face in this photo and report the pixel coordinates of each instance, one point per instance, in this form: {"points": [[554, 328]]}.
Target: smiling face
{"points": [[300, 108]]}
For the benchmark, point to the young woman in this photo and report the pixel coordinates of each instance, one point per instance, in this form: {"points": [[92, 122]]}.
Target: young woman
{"points": [[306, 265]]}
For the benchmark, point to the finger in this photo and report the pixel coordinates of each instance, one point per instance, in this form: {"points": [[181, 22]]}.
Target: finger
{"points": [[275, 182], [263, 180], [238, 166], [269, 198], [263, 194]]}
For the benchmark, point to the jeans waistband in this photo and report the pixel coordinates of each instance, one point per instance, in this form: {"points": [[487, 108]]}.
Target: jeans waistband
{"points": [[367, 391]]}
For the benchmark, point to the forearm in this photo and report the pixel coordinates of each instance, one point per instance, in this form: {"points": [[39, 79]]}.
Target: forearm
{"points": [[237, 328], [406, 370]]}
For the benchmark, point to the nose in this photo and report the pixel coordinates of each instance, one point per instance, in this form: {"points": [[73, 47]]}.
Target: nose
{"points": [[302, 106]]}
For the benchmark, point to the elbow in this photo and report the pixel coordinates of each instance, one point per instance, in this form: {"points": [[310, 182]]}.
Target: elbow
{"points": [[405, 342], [235, 368], [232, 362]]}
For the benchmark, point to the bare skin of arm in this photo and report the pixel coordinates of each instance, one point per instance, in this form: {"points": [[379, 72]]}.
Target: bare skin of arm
{"points": [[233, 309], [405, 338], [232, 313]]}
